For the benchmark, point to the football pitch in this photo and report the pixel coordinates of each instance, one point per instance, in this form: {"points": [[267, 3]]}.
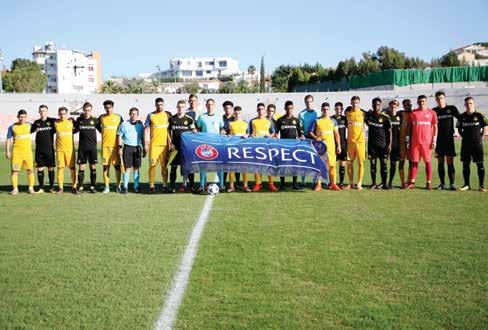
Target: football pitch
{"points": [[348, 259]]}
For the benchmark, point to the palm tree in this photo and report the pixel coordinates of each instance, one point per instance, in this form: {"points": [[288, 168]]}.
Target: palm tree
{"points": [[251, 70]]}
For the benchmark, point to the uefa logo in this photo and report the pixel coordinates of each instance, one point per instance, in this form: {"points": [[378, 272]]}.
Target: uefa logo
{"points": [[206, 152]]}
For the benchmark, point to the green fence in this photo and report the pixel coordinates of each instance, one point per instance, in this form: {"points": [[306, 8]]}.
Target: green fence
{"points": [[403, 78]]}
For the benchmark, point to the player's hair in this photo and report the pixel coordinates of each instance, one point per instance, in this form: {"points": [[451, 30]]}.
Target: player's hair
{"points": [[376, 99], [181, 102], [308, 97], [226, 103], [394, 102], [325, 104], [237, 108], [108, 102], [339, 104], [133, 109], [191, 96], [157, 100], [469, 98], [355, 97], [271, 106], [260, 104], [21, 112], [405, 101], [208, 100], [87, 105], [439, 93], [42, 106], [421, 97], [288, 103], [62, 109]]}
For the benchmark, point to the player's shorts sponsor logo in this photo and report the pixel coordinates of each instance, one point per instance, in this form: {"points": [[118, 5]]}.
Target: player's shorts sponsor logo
{"points": [[206, 152]]}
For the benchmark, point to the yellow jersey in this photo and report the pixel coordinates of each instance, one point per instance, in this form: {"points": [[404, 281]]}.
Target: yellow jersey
{"points": [[108, 126], [64, 134], [261, 127], [324, 129], [238, 127], [20, 134], [355, 126], [158, 123]]}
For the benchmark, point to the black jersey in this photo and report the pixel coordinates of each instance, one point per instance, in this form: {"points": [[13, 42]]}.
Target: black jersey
{"points": [[87, 127], [177, 126], [45, 131], [379, 129], [289, 128], [395, 122], [470, 127], [445, 122], [342, 129]]}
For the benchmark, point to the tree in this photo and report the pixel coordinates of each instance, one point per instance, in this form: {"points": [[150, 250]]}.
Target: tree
{"points": [[25, 76], [390, 58], [191, 88], [251, 70], [450, 59], [262, 78], [280, 77], [368, 64]]}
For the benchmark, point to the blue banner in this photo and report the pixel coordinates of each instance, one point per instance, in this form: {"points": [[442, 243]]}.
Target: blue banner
{"points": [[277, 157]]}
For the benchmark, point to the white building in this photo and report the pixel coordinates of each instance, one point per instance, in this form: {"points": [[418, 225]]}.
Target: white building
{"points": [[473, 54], [203, 68], [69, 71]]}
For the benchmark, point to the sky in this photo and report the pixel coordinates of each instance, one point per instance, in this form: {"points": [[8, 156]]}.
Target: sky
{"points": [[135, 36]]}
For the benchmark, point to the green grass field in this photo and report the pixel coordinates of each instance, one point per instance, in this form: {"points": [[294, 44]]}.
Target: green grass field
{"points": [[370, 259]]}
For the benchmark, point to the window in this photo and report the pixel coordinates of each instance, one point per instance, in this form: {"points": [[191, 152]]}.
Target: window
{"points": [[210, 63], [91, 79], [199, 64], [209, 71], [186, 73], [199, 73], [90, 68], [222, 64]]}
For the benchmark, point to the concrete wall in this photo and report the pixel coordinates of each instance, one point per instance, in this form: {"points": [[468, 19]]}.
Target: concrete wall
{"points": [[11, 103]]}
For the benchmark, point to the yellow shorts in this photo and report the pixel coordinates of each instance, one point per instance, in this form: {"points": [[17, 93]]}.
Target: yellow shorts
{"points": [[65, 158], [110, 156], [356, 150], [158, 154], [331, 156], [22, 160]]}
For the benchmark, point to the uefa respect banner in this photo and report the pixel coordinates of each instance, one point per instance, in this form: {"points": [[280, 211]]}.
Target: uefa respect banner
{"points": [[277, 157]]}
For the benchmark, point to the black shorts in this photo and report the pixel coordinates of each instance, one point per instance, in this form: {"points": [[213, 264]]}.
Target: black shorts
{"points": [[342, 156], [45, 158], [472, 152], [377, 152], [445, 147], [131, 156], [87, 155], [395, 153]]}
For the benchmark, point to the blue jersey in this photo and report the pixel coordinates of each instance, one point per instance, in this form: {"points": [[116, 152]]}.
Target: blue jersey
{"points": [[210, 124], [307, 118], [131, 133]]}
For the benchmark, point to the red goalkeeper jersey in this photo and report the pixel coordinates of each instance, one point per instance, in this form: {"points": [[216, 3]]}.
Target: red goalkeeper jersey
{"points": [[421, 122]]}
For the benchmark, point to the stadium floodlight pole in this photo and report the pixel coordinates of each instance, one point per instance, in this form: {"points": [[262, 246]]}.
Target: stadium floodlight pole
{"points": [[1, 66]]}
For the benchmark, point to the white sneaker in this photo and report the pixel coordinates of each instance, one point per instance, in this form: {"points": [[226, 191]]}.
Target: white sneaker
{"points": [[464, 188], [14, 192], [40, 191], [31, 191], [106, 190]]}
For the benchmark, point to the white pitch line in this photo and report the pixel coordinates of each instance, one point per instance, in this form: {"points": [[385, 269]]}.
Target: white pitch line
{"points": [[180, 281]]}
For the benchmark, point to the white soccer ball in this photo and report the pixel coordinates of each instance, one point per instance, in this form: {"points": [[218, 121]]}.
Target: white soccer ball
{"points": [[213, 189]]}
